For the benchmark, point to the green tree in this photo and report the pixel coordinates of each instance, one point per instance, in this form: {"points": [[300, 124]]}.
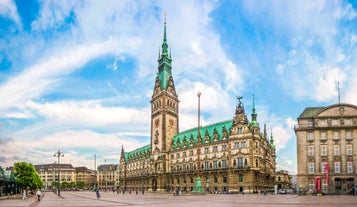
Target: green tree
{"points": [[81, 184], [27, 176]]}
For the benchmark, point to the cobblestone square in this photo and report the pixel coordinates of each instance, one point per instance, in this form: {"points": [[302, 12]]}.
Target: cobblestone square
{"points": [[109, 199]]}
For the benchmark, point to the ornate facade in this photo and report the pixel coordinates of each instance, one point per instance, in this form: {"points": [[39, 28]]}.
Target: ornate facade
{"points": [[235, 155], [327, 148]]}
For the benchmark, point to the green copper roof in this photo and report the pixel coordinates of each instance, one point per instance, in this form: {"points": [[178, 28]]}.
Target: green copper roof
{"points": [[254, 115], [310, 112], [179, 139], [164, 61], [138, 153]]}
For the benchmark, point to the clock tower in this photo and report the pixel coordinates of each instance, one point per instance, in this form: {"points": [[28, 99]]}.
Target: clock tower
{"points": [[164, 105]]}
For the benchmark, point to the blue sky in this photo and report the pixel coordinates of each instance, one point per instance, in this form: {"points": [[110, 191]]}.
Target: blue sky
{"points": [[78, 75]]}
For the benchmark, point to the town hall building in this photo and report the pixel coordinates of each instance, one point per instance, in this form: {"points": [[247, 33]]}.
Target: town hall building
{"points": [[229, 156]]}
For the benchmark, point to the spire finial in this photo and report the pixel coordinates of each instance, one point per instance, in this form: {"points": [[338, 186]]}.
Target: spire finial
{"points": [[253, 104], [165, 18]]}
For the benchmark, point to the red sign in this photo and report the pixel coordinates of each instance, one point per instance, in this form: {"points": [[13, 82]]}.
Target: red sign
{"points": [[318, 184], [326, 168]]}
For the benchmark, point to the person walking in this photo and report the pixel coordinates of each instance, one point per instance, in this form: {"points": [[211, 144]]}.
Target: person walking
{"points": [[97, 193], [24, 195], [38, 193]]}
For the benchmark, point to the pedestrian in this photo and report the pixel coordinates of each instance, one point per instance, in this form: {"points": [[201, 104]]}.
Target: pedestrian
{"points": [[97, 194], [38, 193], [24, 195]]}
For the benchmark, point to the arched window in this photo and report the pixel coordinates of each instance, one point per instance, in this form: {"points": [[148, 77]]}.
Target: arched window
{"points": [[256, 163]]}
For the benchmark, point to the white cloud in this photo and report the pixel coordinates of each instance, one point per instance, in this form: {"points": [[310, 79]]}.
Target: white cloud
{"points": [[44, 76], [89, 113], [78, 147], [8, 9]]}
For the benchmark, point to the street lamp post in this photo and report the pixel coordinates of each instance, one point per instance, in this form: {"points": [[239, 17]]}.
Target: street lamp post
{"points": [[198, 187], [59, 154], [106, 178], [354, 180]]}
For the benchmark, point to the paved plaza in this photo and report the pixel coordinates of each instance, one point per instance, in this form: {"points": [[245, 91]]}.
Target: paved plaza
{"points": [[82, 199]]}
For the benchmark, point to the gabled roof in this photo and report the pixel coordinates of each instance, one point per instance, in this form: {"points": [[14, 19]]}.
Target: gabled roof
{"points": [[138, 153], [194, 132], [310, 112]]}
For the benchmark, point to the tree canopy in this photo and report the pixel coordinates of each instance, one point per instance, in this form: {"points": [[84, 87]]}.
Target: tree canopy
{"points": [[27, 176]]}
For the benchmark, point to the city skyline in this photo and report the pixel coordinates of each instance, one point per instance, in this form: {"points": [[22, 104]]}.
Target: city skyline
{"points": [[78, 76]]}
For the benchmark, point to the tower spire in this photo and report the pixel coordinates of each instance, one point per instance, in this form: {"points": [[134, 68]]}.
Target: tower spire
{"points": [[254, 116], [164, 61]]}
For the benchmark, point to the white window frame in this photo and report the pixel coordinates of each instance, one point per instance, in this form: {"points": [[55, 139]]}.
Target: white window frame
{"points": [[310, 136], [323, 167], [349, 150], [348, 135], [336, 150], [311, 167], [337, 167], [336, 135], [310, 151], [323, 135], [349, 167], [323, 150]]}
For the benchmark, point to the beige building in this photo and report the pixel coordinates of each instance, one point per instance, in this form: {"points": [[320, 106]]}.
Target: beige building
{"points": [[49, 173], [234, 155], [327, 148], [283, 179], [88, 176], [107, 177]]}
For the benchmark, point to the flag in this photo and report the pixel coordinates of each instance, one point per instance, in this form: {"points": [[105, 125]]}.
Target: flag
{"points": [[326, 169]]}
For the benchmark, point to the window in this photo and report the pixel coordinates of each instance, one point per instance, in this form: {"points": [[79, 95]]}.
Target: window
{"points": [[349, 167], [224, 164], [336, 150], [348, 135], [323, 135], [311, 150], [191, 167], [224, 147], [312, 183], [240, 163], [215, 164], [224, 178], [240, 178], [311, 167], [240, 130], [348, 122], [184, 154], [256, 163], [206, 165], [178, 155], [349, 149], [310, 123], [206, 150], [337, 167], [244, 144], [323, 184], [215, 179], [323, 122], [310, 136], [323, 150], [334, 122], [323, 167], [191, 152], [172, 156], [237, 145], [335, 135], [215, 149]]}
